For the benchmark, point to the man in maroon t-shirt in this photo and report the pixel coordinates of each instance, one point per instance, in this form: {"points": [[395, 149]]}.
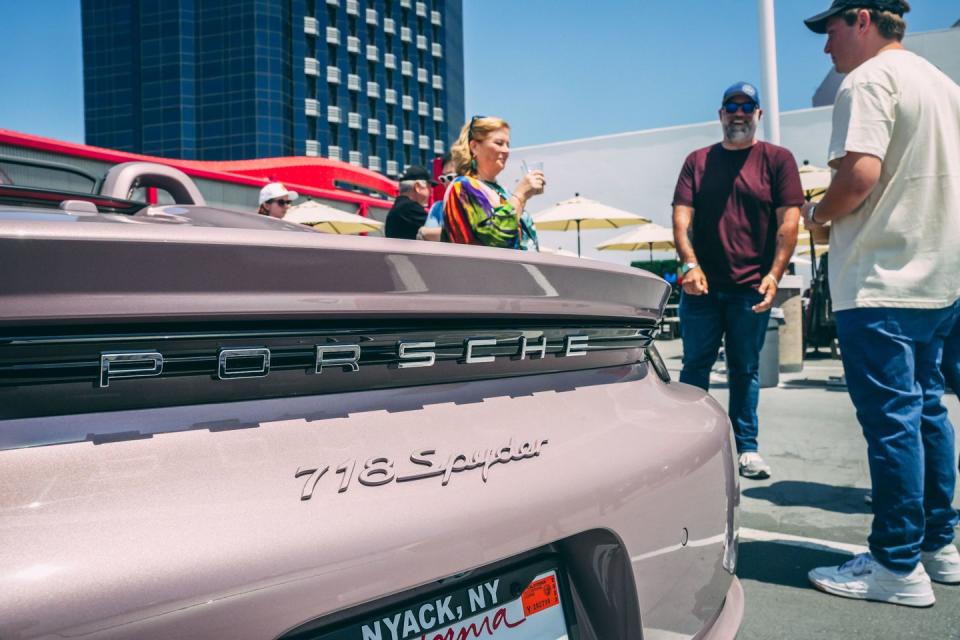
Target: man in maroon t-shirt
{"points": [[735, 214]]}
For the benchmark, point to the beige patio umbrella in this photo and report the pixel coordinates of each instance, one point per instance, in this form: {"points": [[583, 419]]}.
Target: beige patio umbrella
{"points": [[807, 252], [650, 236], [558, 252], [328, 219], [814, 181], [807, 237], [807, 249], [580, 213]]}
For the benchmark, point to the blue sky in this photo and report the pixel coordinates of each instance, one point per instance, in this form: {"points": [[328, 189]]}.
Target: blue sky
{"points": [[566, 69], [556, 69]]}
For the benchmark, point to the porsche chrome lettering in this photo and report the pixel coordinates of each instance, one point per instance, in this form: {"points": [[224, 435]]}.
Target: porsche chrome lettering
{"points": [[468, 345], [243, 363], [540, 348], [254, 362], [416, 358], [129, 364], [575, 346], [348, 363]]}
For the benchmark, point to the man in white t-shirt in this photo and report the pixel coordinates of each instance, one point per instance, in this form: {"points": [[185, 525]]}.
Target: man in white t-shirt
{"points": [[894, 208]]}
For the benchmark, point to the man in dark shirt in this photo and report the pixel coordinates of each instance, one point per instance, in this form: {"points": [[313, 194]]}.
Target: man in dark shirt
{"points": [[735, 214], [408, 213]]}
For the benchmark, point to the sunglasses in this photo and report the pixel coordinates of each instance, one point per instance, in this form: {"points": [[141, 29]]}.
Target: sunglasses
{"points": [[446, 178], [282, 203], [473, 120], [733, 107]]}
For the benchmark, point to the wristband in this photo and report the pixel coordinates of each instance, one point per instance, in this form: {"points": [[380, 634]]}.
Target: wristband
{"points": [[813, 214]]}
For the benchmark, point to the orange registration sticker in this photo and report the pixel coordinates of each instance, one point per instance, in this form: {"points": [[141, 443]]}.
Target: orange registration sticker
{"points": [[541, 594]]}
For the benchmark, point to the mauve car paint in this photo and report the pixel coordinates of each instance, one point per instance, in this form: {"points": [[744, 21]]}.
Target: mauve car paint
{"points": [[297, 501]]}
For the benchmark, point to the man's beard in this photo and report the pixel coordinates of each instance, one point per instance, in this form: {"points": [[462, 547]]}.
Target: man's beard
{"points": [[737, 132]]}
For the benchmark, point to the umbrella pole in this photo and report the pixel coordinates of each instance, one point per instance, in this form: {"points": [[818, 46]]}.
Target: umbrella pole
{"points": [[650, 244], [813, 247], [578, 238], [813, 256]]}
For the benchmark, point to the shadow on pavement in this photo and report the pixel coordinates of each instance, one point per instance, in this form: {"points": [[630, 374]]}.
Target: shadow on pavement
{"points": [[796, 493], [784, 564], [814, 383]]}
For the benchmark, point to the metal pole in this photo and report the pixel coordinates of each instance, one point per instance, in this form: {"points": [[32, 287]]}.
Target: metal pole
{"points": [[768, 60], [578, 238], [813, 257]]}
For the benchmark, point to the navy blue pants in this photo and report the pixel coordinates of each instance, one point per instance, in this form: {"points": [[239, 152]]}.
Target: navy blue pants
{"points": [[951, 359], [726, 315], [891, 358]]}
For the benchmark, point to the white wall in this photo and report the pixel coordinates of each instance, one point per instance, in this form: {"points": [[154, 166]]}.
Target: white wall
{"points": [[637, 171]]}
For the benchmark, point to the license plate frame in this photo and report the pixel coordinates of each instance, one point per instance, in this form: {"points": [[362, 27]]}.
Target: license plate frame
{"points": [[526, 601]]}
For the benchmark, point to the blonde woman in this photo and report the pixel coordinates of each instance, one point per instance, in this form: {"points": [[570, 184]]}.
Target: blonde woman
{"points": [[477, 210]]}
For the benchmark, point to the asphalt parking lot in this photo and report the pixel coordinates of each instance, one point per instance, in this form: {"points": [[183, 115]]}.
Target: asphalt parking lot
{"points": [[811, 512]]}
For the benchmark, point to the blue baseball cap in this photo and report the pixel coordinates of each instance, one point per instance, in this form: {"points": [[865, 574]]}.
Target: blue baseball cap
{"points": [[742, 89]]}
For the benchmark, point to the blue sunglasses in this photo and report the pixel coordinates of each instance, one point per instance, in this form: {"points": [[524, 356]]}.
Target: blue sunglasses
{"points": [[746, 107]]}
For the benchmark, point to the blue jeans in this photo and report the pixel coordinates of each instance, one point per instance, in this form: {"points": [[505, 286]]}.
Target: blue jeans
{"points": [[951, 359], [891, 358], [726, 315]]}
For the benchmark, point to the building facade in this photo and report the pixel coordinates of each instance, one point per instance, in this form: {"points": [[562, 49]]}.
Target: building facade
{"points": [[377, 83]]}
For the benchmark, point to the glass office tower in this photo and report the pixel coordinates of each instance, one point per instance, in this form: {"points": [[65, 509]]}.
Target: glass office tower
{"points": [[378, 83]]}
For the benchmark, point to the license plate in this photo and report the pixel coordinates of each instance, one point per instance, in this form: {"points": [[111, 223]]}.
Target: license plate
{"points": [[525, 604]]}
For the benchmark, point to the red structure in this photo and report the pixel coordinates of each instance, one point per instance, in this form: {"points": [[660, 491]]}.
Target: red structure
{"points": [[315, 177]]}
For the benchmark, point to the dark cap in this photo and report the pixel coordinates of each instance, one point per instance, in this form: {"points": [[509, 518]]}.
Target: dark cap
{"points": [[818, 23], [744, 89], [416, 172]]}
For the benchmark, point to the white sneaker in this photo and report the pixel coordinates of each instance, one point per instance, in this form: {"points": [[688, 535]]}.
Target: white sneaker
{"points": [[863, 578], [752, 466], [943, 565]]}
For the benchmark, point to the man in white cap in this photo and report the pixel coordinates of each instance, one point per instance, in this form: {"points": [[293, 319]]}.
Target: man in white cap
{"points": [[274, 200]]}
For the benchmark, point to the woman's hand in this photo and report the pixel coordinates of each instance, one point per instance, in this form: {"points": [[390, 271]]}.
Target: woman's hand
{"points": [[531, 184]]}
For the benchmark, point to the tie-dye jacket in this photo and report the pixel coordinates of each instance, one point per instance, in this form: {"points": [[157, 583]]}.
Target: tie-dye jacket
{"points": [[478, 212]]}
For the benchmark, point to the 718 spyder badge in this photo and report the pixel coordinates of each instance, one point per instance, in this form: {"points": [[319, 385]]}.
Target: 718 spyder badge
{"points": [[381, 470]]}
